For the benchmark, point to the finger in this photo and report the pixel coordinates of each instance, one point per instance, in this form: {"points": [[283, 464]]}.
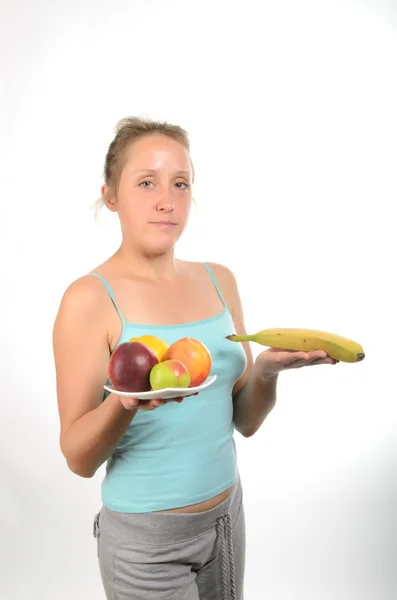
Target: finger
{"points": [[176, 399], [296, 364], [301, 357], [317, 354], [316, 357], [292, 355], [130, 403], [146, 405], [157, 402], [325, 361], [296, 359], [275, 349]]}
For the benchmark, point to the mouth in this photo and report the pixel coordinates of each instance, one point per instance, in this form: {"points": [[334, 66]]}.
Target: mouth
{"points": [[163, 223]]}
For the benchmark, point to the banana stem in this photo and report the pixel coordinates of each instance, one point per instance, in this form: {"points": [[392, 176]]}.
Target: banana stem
{"points": [[240, 338]]}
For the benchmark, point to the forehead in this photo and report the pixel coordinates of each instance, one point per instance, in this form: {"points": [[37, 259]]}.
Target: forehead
{"points": [[158, 151]]}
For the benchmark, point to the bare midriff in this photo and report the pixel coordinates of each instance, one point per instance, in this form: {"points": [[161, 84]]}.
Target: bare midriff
{"points": [[202, 506]]}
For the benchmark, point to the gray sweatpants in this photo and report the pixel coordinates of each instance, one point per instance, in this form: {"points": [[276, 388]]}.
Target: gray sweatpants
{"points": [[173, 556]]}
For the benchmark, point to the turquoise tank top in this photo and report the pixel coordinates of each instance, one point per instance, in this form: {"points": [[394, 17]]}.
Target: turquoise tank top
{"points": [[179, 454]]}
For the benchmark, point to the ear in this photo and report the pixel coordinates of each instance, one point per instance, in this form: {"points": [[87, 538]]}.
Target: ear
{"points": [[108, 198]]}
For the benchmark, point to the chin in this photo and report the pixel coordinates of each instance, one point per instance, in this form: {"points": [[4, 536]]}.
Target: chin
{"points": [[156, 248]]}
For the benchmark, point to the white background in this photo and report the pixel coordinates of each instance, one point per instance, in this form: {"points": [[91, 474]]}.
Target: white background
{"points": [[291, 110]]}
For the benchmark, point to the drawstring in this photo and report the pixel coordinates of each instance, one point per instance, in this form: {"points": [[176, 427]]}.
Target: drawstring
{"points": [[95, 532], [225, 522]]}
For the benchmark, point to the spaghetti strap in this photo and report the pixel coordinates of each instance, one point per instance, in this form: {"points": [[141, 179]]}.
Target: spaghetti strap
{"points": [[211, 273], [107, 286]]}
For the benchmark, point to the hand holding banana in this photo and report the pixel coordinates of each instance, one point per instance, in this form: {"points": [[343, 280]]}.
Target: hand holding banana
{"points": [[293, 348]]}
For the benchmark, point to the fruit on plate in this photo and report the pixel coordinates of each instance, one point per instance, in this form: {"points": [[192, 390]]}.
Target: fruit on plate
{"points": [[337, 347], [156, 344], [129, 367], [169, 374], [194, 355]]}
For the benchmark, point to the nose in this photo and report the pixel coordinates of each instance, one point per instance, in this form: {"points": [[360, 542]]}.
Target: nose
{"points": [[165, 202]]}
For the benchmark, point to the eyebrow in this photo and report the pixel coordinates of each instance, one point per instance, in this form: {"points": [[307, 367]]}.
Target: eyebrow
{"points": [[152, 172]]}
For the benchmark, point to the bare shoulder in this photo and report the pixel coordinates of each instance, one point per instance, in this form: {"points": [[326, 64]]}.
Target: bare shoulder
{"points": [[228, 283], [83, 294], [223, 275], [223, 272], [229, 286], [84, 306]]}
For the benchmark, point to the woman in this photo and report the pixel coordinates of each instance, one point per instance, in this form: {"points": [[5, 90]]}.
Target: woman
{"points": [[171, 523]]}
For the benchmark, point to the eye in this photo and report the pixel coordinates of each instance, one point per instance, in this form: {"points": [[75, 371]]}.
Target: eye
{"points": [[144, 182], [179, 183]]}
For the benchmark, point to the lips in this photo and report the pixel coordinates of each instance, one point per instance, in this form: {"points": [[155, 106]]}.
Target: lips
{"points": [[163, 223]]}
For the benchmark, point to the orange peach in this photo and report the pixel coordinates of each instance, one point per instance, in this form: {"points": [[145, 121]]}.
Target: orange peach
{"points": [[194, 355]]}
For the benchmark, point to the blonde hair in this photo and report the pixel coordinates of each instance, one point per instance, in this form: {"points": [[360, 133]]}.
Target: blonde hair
{"points": [[128, 131]]}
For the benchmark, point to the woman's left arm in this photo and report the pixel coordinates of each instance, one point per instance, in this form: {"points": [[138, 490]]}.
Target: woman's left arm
{"points": [[254, 396], [255, 392], [253, 402]]}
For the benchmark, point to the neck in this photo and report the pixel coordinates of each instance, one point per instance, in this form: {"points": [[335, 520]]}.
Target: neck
{"points": [[156, 267]]}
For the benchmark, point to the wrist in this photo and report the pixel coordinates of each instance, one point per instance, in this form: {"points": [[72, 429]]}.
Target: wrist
{"points": [[265, 373]]}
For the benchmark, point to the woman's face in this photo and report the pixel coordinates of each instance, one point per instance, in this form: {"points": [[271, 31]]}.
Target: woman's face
{"points": [[154, 195]]}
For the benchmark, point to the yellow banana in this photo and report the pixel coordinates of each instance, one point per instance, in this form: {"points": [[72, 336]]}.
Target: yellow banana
{"points": [[336, 346]]}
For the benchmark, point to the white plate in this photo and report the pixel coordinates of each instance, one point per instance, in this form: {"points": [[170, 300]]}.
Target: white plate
{"points": [[164, 393]]}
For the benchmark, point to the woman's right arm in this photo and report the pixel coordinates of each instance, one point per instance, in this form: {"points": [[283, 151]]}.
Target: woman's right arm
{"points": [[90, 426]]}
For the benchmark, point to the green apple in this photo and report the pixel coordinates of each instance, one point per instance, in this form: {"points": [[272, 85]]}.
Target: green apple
{"points": [[169, 374]]}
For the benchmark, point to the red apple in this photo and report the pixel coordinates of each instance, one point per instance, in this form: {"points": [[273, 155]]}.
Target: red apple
{"points": [[129, 367]]}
